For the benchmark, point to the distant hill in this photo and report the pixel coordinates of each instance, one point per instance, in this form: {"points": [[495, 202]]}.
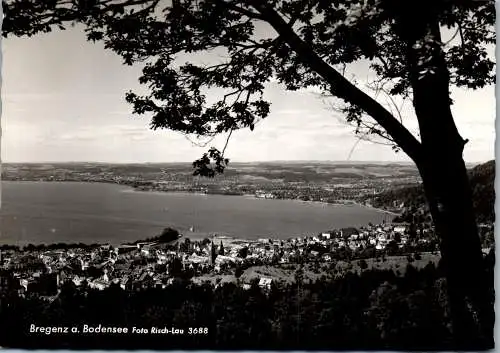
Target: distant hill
{"points": [[482, 180], [308, 172]]}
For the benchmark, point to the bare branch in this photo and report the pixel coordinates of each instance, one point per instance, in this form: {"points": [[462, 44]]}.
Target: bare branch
{"points": [[250, 14], [199, 143], [364, 137], [453, 37], [237, 92], [339, 85], [227, 141], [147, 9]]}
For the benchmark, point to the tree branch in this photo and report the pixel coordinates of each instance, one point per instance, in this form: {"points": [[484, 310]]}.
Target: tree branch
{"points": [[227, 141], [240, 10], [339, 86]]}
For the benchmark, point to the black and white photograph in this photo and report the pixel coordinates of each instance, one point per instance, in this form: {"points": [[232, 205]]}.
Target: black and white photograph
{"points": [[248, 175]]}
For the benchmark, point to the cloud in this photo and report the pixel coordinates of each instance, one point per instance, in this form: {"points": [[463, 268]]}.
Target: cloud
{"points": [[63, 99], [93, 133]]}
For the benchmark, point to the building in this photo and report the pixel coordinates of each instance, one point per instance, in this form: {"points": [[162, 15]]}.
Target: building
{"points": [[125, 283], [400, 229], [98, 284], [265, 283], [77, 280], [213, 254]]}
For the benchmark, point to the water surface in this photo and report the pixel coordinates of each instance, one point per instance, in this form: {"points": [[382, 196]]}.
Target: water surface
{"points": [[48, 212]]}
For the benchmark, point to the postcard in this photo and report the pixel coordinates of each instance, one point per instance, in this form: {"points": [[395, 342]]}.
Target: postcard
{"points": [[247, 175]]}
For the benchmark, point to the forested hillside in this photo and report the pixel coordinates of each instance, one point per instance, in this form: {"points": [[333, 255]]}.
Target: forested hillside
{"points": [[482, 179]]}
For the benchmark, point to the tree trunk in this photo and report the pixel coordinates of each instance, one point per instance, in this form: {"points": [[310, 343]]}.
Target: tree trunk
{"points": [[448, 193], [446, 182]]}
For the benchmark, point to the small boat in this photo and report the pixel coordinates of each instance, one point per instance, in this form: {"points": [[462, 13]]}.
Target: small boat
{"points": [[191, 229]]}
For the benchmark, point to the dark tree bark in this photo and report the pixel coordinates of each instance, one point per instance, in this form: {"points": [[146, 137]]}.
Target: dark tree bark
{"points": [[447, 187]]}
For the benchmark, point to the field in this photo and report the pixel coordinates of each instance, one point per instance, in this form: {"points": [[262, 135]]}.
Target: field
{"points": [[266, 171], [286, 272]]}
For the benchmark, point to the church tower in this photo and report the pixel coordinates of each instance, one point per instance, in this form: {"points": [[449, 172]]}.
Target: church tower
{"points": [[213, 254], [221, 249]]}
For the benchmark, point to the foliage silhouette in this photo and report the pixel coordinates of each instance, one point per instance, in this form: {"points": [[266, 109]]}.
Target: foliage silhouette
{"points": [[372, 310], [310, 45]]}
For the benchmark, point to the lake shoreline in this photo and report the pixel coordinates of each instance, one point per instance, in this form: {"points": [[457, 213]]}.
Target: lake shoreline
{"points": [[153, 190], [137, 188], [253, 196], [78, 212]]}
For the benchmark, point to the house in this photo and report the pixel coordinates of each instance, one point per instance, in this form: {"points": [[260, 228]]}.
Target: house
{"points": [[62, 277], [162, 259], [98, 284], [265, 283], [77, 280], [400, 229], [143, 276], [106, 247], [27, 284], [382, 237], [224, 259], [201, 259], [347, 232], [122, 267], [125, 248], [125, 283], [327, 257], [84, 264]]}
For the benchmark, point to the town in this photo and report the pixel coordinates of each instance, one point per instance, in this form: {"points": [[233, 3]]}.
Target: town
{"points": [[43, 270], [336, 184]]}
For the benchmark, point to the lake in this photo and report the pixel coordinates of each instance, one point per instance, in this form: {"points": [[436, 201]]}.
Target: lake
{"points": [[51, 212]]}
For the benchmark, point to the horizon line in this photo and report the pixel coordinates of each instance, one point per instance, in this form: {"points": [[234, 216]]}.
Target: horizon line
{"points": [[234, 162]]}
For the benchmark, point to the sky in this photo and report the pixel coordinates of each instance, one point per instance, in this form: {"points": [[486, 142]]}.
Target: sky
{"points": [[63, 100]]}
